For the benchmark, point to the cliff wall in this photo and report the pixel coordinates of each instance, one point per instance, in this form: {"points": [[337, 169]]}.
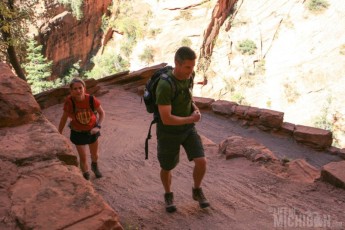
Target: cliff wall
{"points": [[41, 186]]}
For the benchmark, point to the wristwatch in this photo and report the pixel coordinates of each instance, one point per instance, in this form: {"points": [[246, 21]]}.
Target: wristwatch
{"points": [[98, 126]]}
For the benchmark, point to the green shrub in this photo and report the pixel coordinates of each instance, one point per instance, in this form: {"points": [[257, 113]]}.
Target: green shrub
{"points": [[127, 47], [106, 64], [260, 67], [322, 121], [147, 55], [246, 47], [186, 42], [184, 14], [238, 98], [75, 6], [291, 93], [154, 32], [317, 5], [105, 22], [342, 50]]}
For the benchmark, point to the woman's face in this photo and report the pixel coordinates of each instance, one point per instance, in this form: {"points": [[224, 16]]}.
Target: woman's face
{"points": [[78, 90]]}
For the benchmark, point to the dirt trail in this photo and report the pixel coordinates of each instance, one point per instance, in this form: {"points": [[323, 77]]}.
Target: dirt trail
{"points": [[242, 194]]}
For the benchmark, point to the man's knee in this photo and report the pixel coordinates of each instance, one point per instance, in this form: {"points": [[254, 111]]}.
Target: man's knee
{"points": [[200, 161]]}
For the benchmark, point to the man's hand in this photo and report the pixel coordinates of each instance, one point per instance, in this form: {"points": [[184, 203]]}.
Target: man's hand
{"points": [[196, 115]]}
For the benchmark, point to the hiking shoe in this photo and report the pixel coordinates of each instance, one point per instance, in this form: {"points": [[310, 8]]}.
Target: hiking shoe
{"points": [[86, 175], [199, 196], [95, 170], [169, 202]]}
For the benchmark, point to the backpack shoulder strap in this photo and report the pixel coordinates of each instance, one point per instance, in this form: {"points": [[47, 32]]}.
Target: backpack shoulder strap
{"points": [[73, 105], [91, 102], [191, 82], [172, 83]]}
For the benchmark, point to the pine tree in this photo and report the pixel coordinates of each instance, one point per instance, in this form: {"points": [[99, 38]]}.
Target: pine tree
{"points": [[38, 68]]}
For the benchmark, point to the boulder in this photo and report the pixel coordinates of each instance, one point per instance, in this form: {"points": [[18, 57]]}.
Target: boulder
{"points": [[314, 137], [17, 104], [334, 173]]}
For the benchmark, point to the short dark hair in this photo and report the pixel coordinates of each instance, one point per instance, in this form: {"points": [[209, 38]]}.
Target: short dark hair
{"points": [[184, 53]]}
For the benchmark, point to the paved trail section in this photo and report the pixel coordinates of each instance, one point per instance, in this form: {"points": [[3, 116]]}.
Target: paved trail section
{"points": [[243, 194]]}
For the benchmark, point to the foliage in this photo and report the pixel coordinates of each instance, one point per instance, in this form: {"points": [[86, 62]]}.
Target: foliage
{"points": [[107, 64], [184, 14], [247, 47], [105, 22], [322, 121], [38, 68], [154, 32], [291, 93], [260, 67], [75, 6], [238, 98], [342, 50], [73, 71], [14, 27], [147, 56], [186, 42], [128, 25], [317, 5]]}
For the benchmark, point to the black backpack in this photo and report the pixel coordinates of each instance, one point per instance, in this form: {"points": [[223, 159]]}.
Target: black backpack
{"points": [[150, 96]]}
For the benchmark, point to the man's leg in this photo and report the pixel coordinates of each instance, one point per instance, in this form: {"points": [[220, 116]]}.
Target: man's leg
{"points": [[198, 175], [195, 151], [168, 195], [166, 180], [199, 171]]}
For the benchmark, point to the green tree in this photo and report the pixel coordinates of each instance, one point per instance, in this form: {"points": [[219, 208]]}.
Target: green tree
{"points": [[13, 30], [38, 68], [75, 6]]}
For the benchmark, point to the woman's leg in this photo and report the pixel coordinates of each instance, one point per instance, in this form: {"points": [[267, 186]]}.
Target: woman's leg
{"points": [[94, 157], [94, 151], [82, 158]]}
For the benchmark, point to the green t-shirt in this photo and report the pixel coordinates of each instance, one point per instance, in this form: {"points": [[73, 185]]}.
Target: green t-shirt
{"points": [[181, 106]]}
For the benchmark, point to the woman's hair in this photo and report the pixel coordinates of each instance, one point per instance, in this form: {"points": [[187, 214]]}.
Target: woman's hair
{"points": [[184, 53], [75, 80]]}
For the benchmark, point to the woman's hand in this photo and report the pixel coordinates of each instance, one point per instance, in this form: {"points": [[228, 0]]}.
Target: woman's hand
{"points": [[95, 130]]}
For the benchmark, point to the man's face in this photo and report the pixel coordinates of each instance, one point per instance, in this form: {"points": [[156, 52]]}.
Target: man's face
{"points": [[184, 69]]}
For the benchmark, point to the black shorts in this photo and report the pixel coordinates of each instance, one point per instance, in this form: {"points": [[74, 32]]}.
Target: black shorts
{"points": [[83, 138], [168, 147]]}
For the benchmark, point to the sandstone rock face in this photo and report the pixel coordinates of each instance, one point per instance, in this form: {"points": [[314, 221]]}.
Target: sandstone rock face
{"points": [[41, 186], [224, 107], [52, 196], [314, 137], [237, 146], [203, 103], [334, 173], [271, 118], [17, 104], [300, 170], [67, 40], [219, 15], [297, 170], [36, 141]]}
